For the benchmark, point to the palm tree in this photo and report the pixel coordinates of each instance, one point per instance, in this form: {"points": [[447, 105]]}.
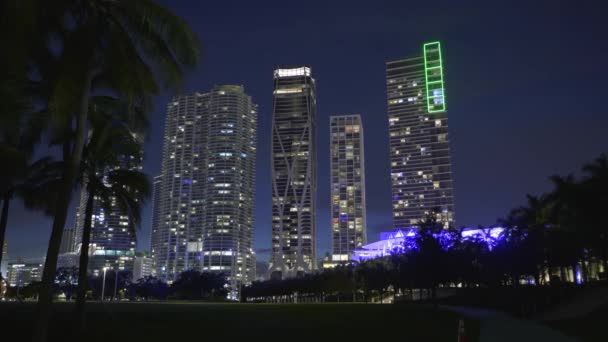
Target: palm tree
{"points": [[108, 185], [430, 254], [598, 168], [568, 238], [595, 196], [32, 182], [126, 49], [526, 237], [25, 178]]}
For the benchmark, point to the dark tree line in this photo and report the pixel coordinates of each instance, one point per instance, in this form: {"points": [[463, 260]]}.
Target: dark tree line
{"points": [[561, 236], [190, 285]]}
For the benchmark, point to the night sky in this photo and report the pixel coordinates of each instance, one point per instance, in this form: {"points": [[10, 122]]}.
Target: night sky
{"points": [[525, 90]]}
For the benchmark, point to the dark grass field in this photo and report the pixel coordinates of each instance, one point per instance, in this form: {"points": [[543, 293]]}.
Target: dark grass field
{"points": [[591, 327], [173, 322]]}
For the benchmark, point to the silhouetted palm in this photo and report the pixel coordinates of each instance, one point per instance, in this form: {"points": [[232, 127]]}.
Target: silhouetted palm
{"points": [[593, 205], [32, 182], [568, 237], [598, 169], [80, 49], [19, 175], [110, 185], [525, 239]]}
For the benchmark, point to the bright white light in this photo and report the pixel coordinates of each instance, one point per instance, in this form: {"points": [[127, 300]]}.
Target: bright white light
{"points": [[302, 71], [288, 91]]}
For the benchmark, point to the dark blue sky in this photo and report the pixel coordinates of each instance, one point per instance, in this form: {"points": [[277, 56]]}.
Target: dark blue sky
{"points": [[525, 88]]}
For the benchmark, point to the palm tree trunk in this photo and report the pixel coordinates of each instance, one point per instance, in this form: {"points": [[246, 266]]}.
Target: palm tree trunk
{"points": [[564, 274], [84, 262], [604, 261], [61, 211], [3, 222], [537, 277], [584, 270], [50, 264]]}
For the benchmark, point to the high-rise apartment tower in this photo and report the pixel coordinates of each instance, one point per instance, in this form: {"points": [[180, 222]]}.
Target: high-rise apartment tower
{"points": [[203, 215], [421, 172], [348, 224]]}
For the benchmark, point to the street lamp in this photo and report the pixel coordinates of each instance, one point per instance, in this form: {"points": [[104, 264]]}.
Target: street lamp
{"points": [[103, 285], [115, 297], [18, 281]]}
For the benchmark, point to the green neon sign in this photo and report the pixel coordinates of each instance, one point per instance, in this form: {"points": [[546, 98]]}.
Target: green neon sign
{"points": [[433, 74]]}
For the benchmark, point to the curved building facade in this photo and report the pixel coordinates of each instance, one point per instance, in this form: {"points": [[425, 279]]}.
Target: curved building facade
{"points": [[203, 215]]}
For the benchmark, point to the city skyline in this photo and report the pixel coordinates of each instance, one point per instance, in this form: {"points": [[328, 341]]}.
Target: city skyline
{"points": [[175, 169], [497, 120]]}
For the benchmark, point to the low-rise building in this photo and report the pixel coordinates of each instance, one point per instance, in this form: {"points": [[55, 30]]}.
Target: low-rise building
{"points": [[24, 272], [142, 267], [67, 260]]}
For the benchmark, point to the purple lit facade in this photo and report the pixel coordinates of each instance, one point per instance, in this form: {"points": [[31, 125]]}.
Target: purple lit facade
{"points": [[391, 242]]}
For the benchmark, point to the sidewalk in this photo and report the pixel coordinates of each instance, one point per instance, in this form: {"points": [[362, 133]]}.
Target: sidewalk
{"points": [[498, 327]]}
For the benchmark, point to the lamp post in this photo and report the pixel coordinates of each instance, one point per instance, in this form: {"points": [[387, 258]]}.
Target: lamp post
{"points": [[115, 297], [103, 285], [18, 281]]}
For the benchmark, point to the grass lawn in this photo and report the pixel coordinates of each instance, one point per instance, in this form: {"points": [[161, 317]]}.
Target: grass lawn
{"points": [[175, 322], [591, 327]]}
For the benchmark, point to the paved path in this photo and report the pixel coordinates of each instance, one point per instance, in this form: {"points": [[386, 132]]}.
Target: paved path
{"points": [[498, 327], [580, 306]]}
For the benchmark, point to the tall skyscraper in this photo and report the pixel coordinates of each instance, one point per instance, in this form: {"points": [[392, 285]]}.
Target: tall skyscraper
{"points": [[68, 241], [348, 224], [4, 263], [421, 172], [178, 234], [112, 242], [69, 251], [230, 185], [294, 172], [203, 215]]}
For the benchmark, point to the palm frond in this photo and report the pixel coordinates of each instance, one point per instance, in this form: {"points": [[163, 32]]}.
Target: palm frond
{"points": [[130, 189], [154, 23]]}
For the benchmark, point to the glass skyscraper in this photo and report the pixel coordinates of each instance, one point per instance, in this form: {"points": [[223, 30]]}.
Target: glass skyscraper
{"points": [[203, 215], [348, 223], [421, 172], [294, 174], [230, 185], [68, 241], [177, 233]]}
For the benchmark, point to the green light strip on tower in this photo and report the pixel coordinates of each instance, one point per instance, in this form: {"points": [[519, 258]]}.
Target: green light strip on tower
{"points": [[433, 73]]}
